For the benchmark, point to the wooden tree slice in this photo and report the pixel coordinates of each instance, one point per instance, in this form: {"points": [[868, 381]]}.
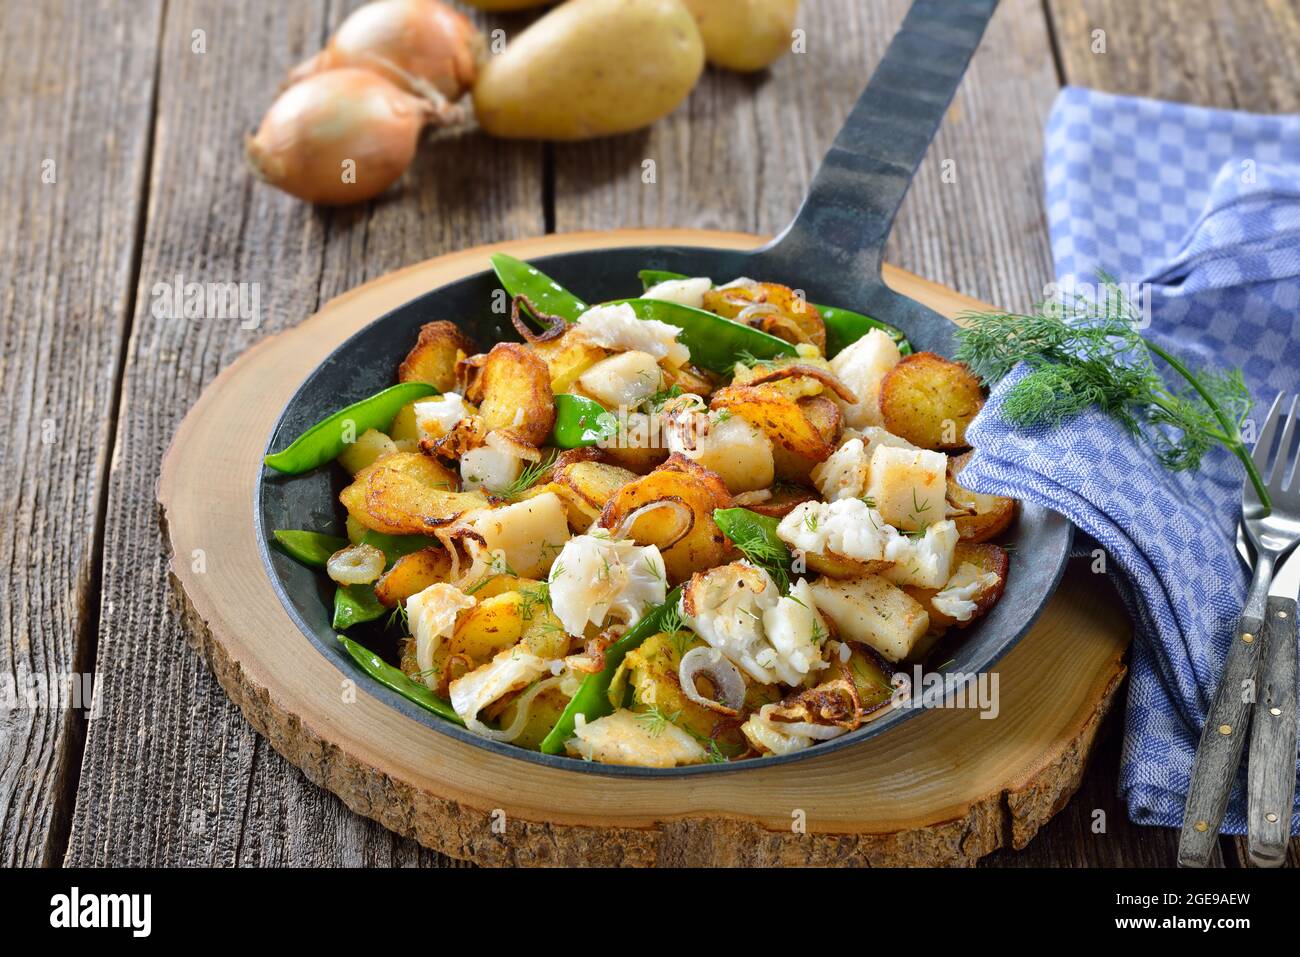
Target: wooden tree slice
{"points": [[943, 788]]}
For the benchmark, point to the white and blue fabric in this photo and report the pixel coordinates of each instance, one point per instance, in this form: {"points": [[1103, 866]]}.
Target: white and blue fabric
{"points": [[1203, 206]]}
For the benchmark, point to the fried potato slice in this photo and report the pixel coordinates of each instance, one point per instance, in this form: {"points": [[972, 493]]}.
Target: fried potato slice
{"points": [[683, 527], [586, 487], [413, 573], [793, 414], [775, 309], [986, 558], [982, 517], [407, 493], [433, 359], [491, 626], [782, 500], [930, 400], [511, 386]]}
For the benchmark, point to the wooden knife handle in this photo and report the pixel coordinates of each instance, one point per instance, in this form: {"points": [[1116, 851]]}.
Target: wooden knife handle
{"points": [[1271, 766], [1219, 754]]}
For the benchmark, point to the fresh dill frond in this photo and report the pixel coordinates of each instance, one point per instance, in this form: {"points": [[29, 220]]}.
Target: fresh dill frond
{"points": [[533, 598], [749, 360], [656, 402], [768, 553], [655, 720], [527, 478], [1081, 355], [671, 621], [399, 615]]}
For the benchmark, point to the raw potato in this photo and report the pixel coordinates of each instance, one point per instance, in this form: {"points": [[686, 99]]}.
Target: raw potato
{"points": [[930, 400], [411, 574], [591, 68], [983, 516], [512, 388], [433, 360], [745, 35], [873, 611], [784, 313], [687, 547]]}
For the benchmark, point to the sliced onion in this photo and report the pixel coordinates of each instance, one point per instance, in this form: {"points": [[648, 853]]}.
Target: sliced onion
{"points": [[555, 329], [685, 520], [756, 310], [726, 678], [813, 372], [356, 565], [524, 705]]}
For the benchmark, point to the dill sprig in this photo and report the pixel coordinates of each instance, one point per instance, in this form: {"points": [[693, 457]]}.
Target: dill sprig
{"points": [[1080, 355], [527, 478]]}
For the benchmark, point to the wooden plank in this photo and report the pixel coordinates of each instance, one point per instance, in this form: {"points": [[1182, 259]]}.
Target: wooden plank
{"points": [[1234, 54], [173, 774], [74, 133]]}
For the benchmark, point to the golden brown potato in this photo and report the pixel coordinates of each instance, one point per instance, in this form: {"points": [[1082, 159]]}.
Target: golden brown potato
{"points": [[433, 360], [793, 414], [568, 357], [683, 529], [493, 625], [586, 488], [930, 400], [512, 389], [775, 309], [986, 558], [370, 446], [407, 493], [983, 516], [411, 574]]}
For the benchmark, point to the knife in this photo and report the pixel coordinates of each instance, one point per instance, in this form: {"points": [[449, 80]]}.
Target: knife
{"points": [[1271, 766]]}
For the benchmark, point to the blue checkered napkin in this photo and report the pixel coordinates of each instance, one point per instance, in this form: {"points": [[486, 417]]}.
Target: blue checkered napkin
{"points": [[1205, 206]]}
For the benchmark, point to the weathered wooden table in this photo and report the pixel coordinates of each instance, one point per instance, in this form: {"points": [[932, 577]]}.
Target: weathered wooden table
{"points": [[121, 127]]}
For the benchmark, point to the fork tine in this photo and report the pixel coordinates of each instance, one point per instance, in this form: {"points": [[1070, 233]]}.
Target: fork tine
{"points": [[1277, 475], [1265, 441]]}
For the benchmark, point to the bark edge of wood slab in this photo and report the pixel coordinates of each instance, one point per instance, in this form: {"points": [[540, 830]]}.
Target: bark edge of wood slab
{"points": [[943, 789]]}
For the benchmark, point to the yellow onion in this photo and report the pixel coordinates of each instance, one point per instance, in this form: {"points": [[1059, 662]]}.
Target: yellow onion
{"points": [[423, 46], [343, 136]]}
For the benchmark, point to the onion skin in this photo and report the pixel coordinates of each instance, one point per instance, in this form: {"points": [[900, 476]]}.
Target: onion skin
{"points": [[321, 122], [423, 46]]}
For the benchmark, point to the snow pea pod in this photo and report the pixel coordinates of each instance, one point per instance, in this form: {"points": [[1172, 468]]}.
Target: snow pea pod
{"points": [[843, 327], [310, 548], [397, 680], [396, 546], [327, 438], [592, 698], [356, 605], [580, 421], [520, 279]]}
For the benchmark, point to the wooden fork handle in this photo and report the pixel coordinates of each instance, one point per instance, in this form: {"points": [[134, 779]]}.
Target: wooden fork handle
{"points": [[1219, 754], [1271, 773]]}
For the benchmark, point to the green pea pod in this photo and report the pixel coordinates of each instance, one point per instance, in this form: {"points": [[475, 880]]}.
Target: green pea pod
{"points": [[310, 548], [755, 536], [843, 327], [580, 421], [397, 680], [327, 438], [592, 698], [396, 546], [715, 343], [520, 279], [355, 605]]}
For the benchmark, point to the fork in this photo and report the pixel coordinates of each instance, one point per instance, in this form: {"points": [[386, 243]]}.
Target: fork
{"points": [[1272, 534]]}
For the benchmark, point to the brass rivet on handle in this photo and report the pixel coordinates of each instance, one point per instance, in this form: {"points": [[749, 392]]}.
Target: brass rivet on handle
{"points": [[1281, 614], [1202, 826], [1225, 729], [1275, 712], [1270, 817], [1247, 637]]}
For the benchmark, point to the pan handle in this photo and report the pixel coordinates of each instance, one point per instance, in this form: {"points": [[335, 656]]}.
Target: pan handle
{"points": [[850, 207]]}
